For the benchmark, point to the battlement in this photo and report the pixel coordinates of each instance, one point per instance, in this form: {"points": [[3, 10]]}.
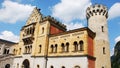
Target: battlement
{"points": [[96, 9], [54, 21]]}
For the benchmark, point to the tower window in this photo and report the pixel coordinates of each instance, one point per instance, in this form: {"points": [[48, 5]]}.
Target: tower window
{"points": [[102, 27], [103, 50]]}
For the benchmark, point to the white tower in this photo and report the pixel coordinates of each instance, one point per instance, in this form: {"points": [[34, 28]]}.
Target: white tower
{"points": [[97, 21]]}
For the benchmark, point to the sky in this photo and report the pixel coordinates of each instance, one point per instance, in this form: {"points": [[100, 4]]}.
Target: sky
{"points": [[14, 14]]}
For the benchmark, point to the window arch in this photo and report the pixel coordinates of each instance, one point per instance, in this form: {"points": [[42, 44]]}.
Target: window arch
{"points": [[51, 67], [63, 66], [75, 46], [77, 66], [67, 47], [81, 45], [7, 66], [52, 48], [63, 47]]}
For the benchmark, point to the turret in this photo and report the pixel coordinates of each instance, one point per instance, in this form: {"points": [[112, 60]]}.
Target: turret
{"points": [[97, 21]]}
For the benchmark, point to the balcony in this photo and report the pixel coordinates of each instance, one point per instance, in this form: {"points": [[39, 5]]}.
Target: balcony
{"points": [[28, 39]]}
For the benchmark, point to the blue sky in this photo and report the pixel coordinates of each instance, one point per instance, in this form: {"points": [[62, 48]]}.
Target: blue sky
{"points": [[14, 14]]}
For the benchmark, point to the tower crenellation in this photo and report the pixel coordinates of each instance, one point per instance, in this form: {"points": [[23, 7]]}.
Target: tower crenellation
{"points": [[97, 9], [54, 21]]}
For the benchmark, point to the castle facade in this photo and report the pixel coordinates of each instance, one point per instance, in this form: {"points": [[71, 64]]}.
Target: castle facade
{"points": [[45, 42]]}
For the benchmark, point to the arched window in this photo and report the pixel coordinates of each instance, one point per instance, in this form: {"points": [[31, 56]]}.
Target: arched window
{"points": [[42, 30], [77, 66], [7, 66], [63, 66], [51, 67], [52, 48], [55, 48], [67, 47], [102, 28], [5, 51], [30, 30], [38, 66], [75, 46], [40, 46], [30, 48], [19, 51], [81, 45], [63, 47], [26, 49], [8, 51], [13, 51]]}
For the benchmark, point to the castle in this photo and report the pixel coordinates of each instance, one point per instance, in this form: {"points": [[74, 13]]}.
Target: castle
{"points": [[45, 42]]}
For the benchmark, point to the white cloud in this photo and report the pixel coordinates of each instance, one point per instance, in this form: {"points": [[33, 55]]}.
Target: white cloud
{"points": [[71, 25], [11, 12], [114, 11], [68, 10], [117, 39], [8, 35]]}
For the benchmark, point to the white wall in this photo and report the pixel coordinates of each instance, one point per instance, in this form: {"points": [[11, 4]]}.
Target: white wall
{"points": [[34, 61], [68, 62]]}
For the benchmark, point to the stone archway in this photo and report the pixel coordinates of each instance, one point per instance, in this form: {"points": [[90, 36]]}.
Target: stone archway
{"points": [[7, 66], [26, 64]]}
